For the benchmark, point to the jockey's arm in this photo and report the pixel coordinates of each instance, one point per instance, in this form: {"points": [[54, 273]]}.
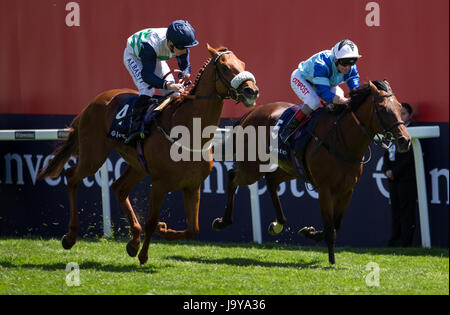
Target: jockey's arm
{"points": [[352, 78], [324, 92], [148, 57]]}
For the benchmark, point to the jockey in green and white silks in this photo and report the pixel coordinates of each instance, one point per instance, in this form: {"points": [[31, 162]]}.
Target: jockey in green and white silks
{"points": [[320, 76], [145, 58]]}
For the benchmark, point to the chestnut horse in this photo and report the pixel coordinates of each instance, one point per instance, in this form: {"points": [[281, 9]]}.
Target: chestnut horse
{"points": [[221, 77], [333, 159]]}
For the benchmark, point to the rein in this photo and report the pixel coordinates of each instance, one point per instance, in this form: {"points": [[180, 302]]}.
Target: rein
{"points": [[231, 93], [232, 87], [386, 129], [338, 133]]}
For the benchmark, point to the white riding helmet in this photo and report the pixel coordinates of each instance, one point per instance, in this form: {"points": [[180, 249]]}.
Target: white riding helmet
{"points": [[345, 49]]}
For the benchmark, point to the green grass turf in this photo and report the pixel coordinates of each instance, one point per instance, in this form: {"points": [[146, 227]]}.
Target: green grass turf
{"points": [[38, 266]]}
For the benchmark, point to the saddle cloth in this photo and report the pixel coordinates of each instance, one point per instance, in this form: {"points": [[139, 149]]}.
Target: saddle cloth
{"points": [[120, 125], [297, 142]]}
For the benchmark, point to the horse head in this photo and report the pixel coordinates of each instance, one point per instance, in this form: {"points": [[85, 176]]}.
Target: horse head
{"points": [[388, 111], [234, 81]]}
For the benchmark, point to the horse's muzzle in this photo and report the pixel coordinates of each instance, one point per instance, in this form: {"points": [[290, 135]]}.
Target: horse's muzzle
{"points": [[403, 144], [250, 95]]}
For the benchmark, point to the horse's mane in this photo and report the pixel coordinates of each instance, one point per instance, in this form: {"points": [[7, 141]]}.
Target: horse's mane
{"points": [[360, 94], [193, 87]]}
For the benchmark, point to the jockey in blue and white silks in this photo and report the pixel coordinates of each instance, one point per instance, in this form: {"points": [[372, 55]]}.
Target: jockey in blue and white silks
{"points": [[319, 77], [145, 58]]}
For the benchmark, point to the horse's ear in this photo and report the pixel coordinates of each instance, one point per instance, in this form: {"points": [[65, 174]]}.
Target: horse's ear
{"points": [[212, 51], [373, 88]]}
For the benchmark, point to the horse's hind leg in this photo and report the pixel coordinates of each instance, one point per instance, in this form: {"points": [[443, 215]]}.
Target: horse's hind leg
{"points": [[91, 156], [157, 196], [122, 187], [273, 180], [246, 173], [191, 198], [220, 223], [70, 238], [74, 176]]}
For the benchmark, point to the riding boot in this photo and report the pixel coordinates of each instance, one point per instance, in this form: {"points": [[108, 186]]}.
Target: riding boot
{"points": [[292, 125], [137, 115]]}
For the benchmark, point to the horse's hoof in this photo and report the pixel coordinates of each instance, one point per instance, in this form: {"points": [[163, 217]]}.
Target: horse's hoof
{"points": [[132, 251], [162, 227], [306, 231], [275, 228], [218, 224], [66, 244], [143, 259]]}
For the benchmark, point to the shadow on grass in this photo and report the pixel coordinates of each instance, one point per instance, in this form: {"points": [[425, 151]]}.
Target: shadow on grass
{"points": [[248, 262], [321, 248], [87, 265]]}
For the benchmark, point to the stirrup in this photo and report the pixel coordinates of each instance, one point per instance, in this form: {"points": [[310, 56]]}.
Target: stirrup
{"points": [[133, 136], [290, 130]]}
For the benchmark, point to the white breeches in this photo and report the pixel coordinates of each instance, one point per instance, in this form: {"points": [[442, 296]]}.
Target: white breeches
{"points": [[306, 92]]}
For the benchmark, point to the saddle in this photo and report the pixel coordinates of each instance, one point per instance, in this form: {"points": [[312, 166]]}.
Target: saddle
{"points": [[294, 149], [120, 126]]}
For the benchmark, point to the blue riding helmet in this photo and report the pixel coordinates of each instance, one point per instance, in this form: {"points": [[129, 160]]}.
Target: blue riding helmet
{"points": [[182, 34]]}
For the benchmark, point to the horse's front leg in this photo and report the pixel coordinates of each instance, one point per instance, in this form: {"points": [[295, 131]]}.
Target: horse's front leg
{"points": [[157, 196], [122, 187], [326, 204], [191, 206]]}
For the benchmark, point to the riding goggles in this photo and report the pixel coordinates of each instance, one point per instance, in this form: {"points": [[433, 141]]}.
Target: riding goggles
{"points": [[347, 61]]}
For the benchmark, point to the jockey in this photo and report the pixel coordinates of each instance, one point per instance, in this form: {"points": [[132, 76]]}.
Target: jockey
{"points": [[145, 58], [319, 76]]}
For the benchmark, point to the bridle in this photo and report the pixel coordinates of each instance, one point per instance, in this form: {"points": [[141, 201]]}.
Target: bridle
{"points": [[387, 135], [232, 87], [232, 93]]}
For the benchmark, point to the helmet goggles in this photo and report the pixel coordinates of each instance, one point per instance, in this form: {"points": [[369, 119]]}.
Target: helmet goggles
{"points": [[347, 61]]}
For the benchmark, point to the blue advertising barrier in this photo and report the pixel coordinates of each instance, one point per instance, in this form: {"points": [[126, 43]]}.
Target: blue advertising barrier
{"points": [[41, 208]]}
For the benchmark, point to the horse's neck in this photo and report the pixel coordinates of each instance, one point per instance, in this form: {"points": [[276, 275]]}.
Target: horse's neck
{"points": [[355, 138], [207, 108]]}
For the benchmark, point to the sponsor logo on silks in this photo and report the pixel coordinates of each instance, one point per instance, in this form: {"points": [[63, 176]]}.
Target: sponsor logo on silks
{"points": [[302, 87]]}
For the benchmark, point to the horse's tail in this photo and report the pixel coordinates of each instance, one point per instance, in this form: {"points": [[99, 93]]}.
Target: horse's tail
{"points": [[62, 153]]}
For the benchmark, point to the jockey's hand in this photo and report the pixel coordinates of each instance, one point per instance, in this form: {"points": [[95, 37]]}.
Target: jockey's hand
{"points": [[177, 87], [186, 78], [340, 100]]}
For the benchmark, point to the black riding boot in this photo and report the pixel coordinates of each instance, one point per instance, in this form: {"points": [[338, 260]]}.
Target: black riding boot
{"points": [[137, 116], [292, 125], [290, 128]]}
